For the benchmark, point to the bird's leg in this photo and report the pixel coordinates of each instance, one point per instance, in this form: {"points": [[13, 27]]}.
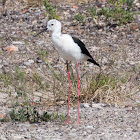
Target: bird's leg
{"points": [[67, 122], [78, 87]]}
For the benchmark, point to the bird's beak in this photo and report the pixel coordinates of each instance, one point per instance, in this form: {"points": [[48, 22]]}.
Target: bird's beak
{"points": [[41, 32]]}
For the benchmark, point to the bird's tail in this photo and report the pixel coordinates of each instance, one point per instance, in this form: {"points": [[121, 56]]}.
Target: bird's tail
{"points": [[94, 62]]}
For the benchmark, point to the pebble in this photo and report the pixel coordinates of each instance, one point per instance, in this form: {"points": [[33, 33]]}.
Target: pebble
{"points": [[89, 131], [23, 67], [92, 33], [104, 61], [129, 36], [1, 66], [89, 127], [18, 43], [3, 97], [131, 62], [39, 61], [29, 62], [5, 63], [95, 105], [86, 105], [72, 134]]}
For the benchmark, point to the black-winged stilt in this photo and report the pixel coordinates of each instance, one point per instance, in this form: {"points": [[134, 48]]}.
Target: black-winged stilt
{"points": [[71, 49]]}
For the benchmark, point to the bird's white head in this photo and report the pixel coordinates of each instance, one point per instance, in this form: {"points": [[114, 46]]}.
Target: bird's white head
{"points": [[54, 25]]}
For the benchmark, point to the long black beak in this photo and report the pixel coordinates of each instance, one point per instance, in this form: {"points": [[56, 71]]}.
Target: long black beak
{"points": [[41, 32]]}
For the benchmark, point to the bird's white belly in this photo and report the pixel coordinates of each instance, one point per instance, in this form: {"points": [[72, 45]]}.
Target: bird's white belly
{"points": [[70, 54], [68, 49]]}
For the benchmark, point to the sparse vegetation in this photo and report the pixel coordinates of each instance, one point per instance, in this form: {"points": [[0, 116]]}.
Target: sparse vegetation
{"points": [[99, 87], [43, 54], [27, 112], [116, 11], [51, 11], [79, 17]]}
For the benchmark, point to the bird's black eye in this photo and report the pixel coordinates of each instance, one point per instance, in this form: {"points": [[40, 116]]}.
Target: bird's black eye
{"points": [[52, 24]]}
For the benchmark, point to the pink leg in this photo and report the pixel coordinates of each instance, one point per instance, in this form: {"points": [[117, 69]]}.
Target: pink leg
{"points": [[67, 122], [78, 87]]}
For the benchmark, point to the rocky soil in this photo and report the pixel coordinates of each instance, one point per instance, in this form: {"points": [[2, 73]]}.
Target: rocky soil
{"points": [[117, 49], [99, 122]]}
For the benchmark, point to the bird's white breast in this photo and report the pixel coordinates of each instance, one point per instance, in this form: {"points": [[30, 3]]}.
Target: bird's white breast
{"points": [[67, 48]]}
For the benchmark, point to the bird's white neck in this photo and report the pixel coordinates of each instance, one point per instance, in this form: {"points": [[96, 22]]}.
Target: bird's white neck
{"points": [[57, 32], [56, 36]]}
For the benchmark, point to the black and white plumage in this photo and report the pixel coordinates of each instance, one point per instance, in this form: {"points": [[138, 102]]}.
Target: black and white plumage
{"points": [[85, 51], [71, 49]]}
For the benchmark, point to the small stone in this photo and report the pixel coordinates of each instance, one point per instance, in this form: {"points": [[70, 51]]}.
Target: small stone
{"points": [[89, 131], [86, 105], [1, 66], [104, 60], [89, 127], [38, 94], [2, 138], [27, 63], [38, 60], [31, 61], [132, 63], [5, 63], [115, 36], [93, 33], [3, 97], [72, 134], [18, 43], [23, 67], [95, 105], [129, 109], [123, 87], [17, 137], [22, 48], [129, 36]]}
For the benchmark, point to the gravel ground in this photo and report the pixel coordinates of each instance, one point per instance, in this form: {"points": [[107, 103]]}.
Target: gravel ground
{"points": [[99, 122], [114, 46]]}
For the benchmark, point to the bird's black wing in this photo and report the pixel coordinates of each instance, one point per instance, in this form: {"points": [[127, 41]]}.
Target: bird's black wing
{"points": [[84, 50], [82, 46]]}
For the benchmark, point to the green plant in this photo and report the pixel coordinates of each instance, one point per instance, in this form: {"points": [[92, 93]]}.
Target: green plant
{"points": [[117, 13], [30, 113], [79, 17], [46, 117], [19, 115], [56, 116], [20, 75], [43, 54], [92, 12], [51, 11]]}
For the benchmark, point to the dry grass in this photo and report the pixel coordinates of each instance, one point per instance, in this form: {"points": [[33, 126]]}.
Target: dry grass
{"points": [[53, 87]]}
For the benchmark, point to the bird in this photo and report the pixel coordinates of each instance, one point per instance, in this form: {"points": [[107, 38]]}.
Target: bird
{"points": [[70, 49]]}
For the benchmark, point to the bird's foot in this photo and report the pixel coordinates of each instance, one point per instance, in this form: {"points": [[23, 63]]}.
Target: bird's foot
{"points": [[67, 122], [78, 122]]}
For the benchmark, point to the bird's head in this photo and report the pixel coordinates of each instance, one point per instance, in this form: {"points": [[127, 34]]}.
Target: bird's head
{"points": [[52, 25]]}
